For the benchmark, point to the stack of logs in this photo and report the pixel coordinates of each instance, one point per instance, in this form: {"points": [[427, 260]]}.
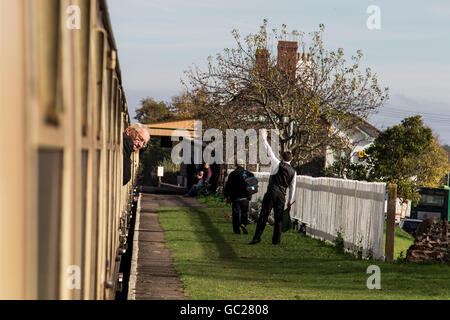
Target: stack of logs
{"points": [[431, 243]]}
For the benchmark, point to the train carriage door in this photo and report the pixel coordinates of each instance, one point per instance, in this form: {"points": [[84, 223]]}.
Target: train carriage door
{"points": [[17, 273], [50, 145], [81, 70]]}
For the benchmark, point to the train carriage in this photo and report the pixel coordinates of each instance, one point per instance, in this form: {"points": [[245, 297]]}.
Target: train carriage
{"points": [[64, 212]]}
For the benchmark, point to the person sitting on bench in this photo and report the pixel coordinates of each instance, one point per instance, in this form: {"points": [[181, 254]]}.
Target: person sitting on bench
{"points": [[203, 176]]}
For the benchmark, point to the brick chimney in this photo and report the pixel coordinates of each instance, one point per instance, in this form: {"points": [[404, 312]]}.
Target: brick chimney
{"points": [[262, 60], [287, 56]]}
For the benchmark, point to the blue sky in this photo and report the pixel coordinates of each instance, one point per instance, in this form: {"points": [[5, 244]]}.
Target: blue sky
{"points": [[158, 40]]}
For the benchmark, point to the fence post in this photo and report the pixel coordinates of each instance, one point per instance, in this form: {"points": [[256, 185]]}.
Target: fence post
{"points": [[390, 222]]}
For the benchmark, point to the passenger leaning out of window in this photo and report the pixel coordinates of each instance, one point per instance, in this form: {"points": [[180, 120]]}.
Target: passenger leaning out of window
{"points": [[135, 138]]}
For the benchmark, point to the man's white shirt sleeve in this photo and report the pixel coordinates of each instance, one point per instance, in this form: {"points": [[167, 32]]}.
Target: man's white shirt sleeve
{"points": [[292, 187], [274, 161]]}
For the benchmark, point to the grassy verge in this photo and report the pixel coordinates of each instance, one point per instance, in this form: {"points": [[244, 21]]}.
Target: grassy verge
{"points": [[402, 242], [214, 263]]}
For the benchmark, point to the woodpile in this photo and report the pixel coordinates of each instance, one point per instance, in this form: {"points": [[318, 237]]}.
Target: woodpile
{"points": [[431, 242]]}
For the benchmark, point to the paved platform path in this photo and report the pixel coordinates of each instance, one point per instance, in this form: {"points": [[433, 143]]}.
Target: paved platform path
{"points": [[152, 274]]}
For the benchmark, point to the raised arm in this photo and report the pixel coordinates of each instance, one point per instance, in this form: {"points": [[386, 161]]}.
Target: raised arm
{"points": [[292, 187], [273, 158]]}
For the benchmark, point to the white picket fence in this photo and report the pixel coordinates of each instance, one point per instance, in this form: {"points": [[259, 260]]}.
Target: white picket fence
{"points": [[328, 206]]}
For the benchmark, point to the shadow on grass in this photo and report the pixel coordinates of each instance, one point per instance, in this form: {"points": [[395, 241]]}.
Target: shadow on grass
{"points": [[215, 264], [224, 249]]}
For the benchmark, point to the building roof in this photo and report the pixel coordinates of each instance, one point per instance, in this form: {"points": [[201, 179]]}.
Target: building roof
{"points": [[369, 129]]}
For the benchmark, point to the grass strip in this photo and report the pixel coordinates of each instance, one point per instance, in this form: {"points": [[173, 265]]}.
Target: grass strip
{"points": [[215, 264]]}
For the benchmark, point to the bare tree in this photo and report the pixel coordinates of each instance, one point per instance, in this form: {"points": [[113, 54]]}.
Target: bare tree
{"points": [[312, 98]]}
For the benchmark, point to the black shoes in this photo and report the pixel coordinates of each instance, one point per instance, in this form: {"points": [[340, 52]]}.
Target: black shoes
{"points": [[244, 229], [255, 241]]}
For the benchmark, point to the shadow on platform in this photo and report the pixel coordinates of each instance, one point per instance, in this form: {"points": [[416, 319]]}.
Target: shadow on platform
{"points": [[165, 188]]}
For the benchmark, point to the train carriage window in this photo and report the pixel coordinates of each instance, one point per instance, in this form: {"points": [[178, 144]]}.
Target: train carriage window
{"points": [[108, 211], [99, 67], [84, 67], [48, 33], [50, 164], [95, 224], [113, 204], [113, 110], [109, 107], [119, 115], [116, 115], [84, 188]]}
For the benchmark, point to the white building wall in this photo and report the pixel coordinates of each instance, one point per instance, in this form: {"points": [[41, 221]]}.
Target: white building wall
{"points": [[359, 141]]}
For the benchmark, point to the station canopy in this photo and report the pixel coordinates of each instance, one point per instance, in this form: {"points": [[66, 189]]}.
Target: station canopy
{"points": [[165, 129]]}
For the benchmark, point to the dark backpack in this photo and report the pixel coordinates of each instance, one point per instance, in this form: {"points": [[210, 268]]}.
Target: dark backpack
{"points": [[249, 183]]}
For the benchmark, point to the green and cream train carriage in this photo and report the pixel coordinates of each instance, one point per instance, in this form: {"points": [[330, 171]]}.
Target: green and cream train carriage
{"points": [[63, 208]]}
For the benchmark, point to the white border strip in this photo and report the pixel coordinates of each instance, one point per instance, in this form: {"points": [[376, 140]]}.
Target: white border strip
{"points": [[134, 258]]}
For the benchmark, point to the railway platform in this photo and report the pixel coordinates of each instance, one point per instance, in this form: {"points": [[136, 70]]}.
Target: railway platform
{"points": [[152, 275]]}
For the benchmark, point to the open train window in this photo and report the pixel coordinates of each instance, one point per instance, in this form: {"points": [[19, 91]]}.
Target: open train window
{"points": [[50, 164], [48, 33]]}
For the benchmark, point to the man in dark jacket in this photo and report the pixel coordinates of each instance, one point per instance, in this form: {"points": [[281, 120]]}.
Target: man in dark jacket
{"points": [[235, 192], [282, 176], [135, 138]]}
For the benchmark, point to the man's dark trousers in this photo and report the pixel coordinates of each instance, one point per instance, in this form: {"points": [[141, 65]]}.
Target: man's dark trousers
{"points": [[272, 199], [239, 214]]}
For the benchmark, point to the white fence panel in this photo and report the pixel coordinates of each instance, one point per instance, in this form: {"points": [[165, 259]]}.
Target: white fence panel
{"points": [[329, 206]]}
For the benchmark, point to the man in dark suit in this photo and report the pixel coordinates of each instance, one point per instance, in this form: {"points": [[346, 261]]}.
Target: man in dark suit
{"points": [[282, 176], [236, 194]]}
